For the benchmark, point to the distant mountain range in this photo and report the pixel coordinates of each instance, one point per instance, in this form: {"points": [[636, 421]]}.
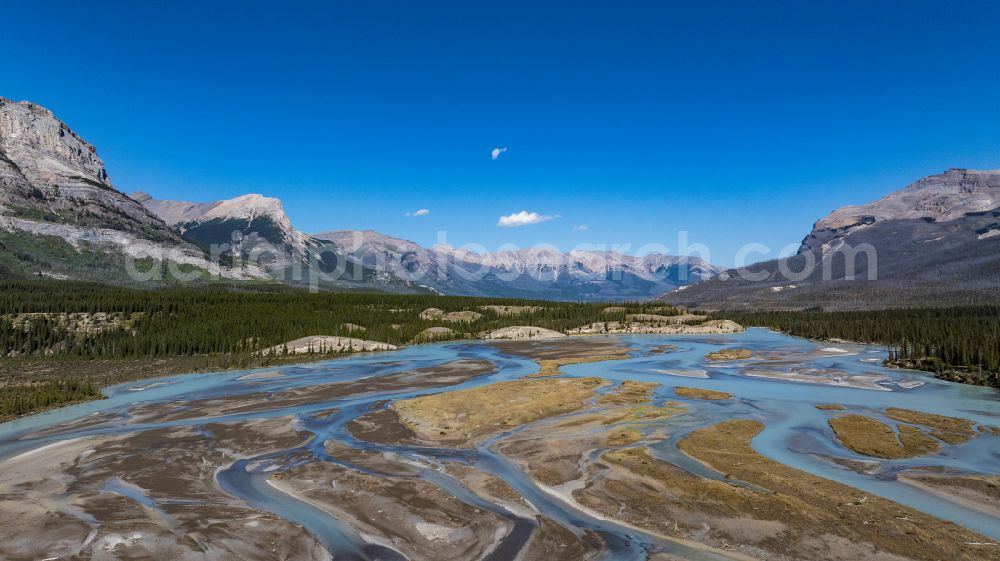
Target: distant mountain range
{"points": [[936, 241], [61, 216], [532, 273]]}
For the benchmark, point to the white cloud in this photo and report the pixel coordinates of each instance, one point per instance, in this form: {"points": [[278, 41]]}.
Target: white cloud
{"points": [[524, 218], [497, 151], [421, 212], [581, 228]]}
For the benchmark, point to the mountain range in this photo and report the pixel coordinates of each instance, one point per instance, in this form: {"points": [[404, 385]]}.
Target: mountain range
{"points": [[532, 273], [936, 240], [61, 216]]}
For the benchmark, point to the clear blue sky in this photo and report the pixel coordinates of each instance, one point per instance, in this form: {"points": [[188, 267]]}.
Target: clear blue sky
{"points": [[735, 121]]}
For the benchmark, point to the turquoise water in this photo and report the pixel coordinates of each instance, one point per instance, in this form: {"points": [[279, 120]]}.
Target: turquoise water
{"points": [[797, 433]]}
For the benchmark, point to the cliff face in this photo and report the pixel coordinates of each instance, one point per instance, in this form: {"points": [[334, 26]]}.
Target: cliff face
{"points": [[50, 175]]}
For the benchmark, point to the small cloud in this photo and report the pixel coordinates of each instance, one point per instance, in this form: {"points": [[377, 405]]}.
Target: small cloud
{"points": [[497, 151], [524, 218], [581, 228], [421, 212]]}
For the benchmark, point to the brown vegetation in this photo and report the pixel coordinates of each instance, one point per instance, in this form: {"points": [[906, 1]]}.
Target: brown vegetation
{"points": [[730, 354], [867, 436], [459, 417], [949, 429], [830, 407], [698, 393]]}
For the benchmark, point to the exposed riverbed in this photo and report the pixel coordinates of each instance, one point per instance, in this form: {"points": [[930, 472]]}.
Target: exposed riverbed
{"points": [[308, 462]]}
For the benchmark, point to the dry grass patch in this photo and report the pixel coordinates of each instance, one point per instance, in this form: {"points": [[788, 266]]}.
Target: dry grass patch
{"points": [[698, 393], [811, 506], [730, 354], [830, 407], [639, 414], [949, 429], [462, 416], [551, 366], [867, 436], [625, 437], [629, 392]]}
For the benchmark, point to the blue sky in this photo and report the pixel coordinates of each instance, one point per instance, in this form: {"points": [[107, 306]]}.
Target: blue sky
{"points": [[737, 122]]}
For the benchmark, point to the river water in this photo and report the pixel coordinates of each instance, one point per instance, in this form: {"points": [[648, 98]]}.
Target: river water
{"points": [[781, 387]]}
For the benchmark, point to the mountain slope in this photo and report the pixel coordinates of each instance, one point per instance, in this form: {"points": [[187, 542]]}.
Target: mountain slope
{"points": [[935, 242], [49, 174], [56, 195], [944, 197]]}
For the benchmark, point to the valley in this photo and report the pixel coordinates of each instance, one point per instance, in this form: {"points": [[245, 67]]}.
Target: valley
{"points": [[235, 351]]}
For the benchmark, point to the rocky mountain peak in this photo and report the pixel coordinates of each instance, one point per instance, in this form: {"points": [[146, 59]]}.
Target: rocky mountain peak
{"points": [[249, 207], [244, 207], [252, 218]]}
